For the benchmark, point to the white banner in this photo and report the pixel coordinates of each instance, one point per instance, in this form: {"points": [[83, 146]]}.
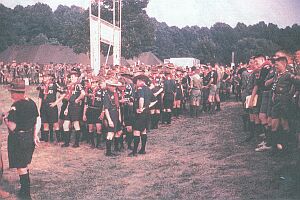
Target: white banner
{"points": [[103, 31]]}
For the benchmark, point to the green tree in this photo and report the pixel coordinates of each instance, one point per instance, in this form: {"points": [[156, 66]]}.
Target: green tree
{"points": [[247, 47], [6, 31], [39, 39]]}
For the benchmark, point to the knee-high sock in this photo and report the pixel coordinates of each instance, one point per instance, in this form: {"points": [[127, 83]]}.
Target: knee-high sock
{"points": [[58, 135], [25, 185], [144, 141], [136, 141], [108, 147]]}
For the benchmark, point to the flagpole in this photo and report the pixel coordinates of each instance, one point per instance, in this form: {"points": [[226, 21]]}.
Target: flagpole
{"points": [[99, 34]]}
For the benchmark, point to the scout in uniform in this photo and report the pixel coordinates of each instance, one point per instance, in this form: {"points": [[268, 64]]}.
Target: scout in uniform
{"points": [[73, 112], [112, 114], [23, 123], [283, 108], [47, 105], [178, 93], [142, 104], [157, 90], [169, 86], [93, 112]]}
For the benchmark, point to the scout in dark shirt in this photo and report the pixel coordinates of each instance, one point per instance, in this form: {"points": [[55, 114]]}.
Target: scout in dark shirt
{"points": [[212, 89], [283, 108], [73, 112], [47, 105], [205, 88], [157, 90], [23, 123], [93, 112], [168, 97], [112, 114], [127, 97], [142, 104], [179, 95]]}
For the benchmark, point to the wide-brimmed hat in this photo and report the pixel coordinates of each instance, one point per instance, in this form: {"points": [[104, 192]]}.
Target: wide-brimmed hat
{"points": [[127, 75], [142, 78], [17, 85], [74, 71], [93, 79], [113, 82], [170, 66]]}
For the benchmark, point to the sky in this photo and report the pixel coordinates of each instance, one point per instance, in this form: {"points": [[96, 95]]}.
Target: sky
{"points": [[204, 13]]}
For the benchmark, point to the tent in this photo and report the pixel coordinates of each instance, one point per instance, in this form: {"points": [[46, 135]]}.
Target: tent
{"points": [[147, 58], [44, 54]]}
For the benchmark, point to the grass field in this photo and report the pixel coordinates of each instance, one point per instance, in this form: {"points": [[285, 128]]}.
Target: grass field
{"points": [[199, 158]]}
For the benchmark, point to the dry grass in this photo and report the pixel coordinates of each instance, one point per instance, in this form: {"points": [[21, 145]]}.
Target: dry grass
{"points": [[191, 159]]}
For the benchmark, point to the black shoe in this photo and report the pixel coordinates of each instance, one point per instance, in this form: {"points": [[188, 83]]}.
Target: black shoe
{"points": [[111, 154], [142, 152], [130, 148], [100, 147], [75, 145], [122, 148], [132, 154], [65, 145]]}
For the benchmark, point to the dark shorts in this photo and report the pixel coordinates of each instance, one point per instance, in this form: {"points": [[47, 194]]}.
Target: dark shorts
{"points": [[62, 110], [223, 85], [158, 104], [256, 109], [283, 108], [205, 94], [128, 115], [48, 114], [168, 101], [74, 112], [141, 121], [92, 115], [20, 148], [114, 115], [265, 102], [179, 96]]}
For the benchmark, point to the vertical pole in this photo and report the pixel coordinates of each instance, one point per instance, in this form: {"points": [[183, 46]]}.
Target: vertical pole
{"points": [[91, 40], [117, 38], [99, 36], [120, 34], [232, 57], [107, 54], [114, 31]]}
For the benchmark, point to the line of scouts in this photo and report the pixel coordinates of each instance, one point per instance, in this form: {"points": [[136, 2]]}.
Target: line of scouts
{"points": [[119, 104], [273, 108]]}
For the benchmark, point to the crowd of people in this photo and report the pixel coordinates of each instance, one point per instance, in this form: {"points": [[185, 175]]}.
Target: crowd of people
{"points": [[120, 102], [115, 109], [124, 102], [270, 89]]}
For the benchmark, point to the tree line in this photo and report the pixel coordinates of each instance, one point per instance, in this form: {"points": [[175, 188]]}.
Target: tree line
{"points": [[38, 24]]}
